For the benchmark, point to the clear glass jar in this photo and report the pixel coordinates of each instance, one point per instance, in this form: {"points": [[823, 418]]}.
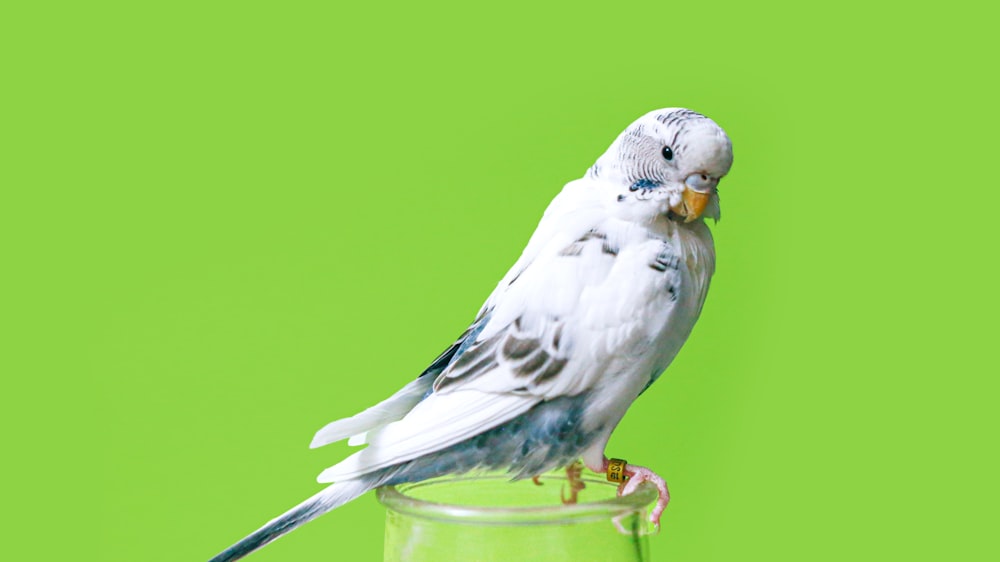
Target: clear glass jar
{"points": [[491, 519]]}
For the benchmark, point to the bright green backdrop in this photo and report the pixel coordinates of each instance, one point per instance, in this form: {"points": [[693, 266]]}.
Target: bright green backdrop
{"points": [[227, 224]]}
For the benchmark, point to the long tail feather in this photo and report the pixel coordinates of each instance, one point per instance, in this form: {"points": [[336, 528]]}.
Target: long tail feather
{"points": [[330, 498]]}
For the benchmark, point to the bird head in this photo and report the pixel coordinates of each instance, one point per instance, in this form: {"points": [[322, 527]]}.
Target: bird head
{"points": [[668, 162]]}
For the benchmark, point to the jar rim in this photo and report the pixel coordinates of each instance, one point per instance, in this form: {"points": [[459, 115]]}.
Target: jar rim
{"points": [[395, 498]]}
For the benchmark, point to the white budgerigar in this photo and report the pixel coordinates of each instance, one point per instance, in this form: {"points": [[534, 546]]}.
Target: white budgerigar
{"points": [[604, 295]]}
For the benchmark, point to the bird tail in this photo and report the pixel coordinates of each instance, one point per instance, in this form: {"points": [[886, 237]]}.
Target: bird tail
{"points": [[328, 499]]}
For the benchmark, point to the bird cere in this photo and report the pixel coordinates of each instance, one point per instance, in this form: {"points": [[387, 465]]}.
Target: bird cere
{"points": [[603, 297]]}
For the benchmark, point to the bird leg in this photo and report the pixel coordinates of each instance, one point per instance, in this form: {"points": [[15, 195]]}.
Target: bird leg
{"points": [[537, 480], [635, 475], [573, 473]]}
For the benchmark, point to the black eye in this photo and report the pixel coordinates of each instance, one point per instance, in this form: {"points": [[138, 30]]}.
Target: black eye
{"points": [[668, 153]]}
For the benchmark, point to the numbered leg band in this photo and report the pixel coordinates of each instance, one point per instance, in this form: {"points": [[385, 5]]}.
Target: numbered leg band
{"points": [[616, 470]]}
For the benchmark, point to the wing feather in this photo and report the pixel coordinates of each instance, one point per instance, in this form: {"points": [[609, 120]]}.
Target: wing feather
{"points": [[439, 421], [358, 427], [389, 410], [595, 292]]}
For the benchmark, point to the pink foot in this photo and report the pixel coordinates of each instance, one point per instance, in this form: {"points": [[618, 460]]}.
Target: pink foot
{"points": [[637, 475]]}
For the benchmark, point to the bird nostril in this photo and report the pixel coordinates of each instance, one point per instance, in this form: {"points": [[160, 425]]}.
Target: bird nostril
{"points": [[704, 177]]}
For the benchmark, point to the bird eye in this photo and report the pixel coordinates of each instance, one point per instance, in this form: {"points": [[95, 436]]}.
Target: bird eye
{"points": [[668, 153]]}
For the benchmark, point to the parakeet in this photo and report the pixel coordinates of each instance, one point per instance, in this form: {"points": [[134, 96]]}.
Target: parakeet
{"points": [[605, 293]]}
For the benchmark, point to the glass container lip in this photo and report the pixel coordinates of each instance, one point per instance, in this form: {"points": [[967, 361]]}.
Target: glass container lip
{"points": [[399, 501]]}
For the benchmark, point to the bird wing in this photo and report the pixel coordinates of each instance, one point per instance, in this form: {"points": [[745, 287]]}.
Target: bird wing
{"points": [[610, 293], [590, 292]]}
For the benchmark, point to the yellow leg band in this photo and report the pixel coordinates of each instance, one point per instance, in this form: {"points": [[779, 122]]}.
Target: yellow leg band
{"points": [[616, 470]]}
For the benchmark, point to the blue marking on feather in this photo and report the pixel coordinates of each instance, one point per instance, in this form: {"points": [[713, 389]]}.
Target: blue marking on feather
{"points": [[644, 183], [470, 339], [456, 350]]}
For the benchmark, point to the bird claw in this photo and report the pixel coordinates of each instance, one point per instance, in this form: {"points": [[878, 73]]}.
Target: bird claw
{"points": [[636, 475]]}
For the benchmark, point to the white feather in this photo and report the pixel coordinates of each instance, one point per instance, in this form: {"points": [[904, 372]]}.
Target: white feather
{"points": [[436, 423], [386, 411]]}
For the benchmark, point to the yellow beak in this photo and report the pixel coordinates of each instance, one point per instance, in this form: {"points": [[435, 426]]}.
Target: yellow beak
{"points": [[692, 204]]}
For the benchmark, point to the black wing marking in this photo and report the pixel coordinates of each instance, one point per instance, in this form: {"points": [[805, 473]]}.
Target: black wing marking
{"points": [[576, 248], [457, 349], [531, 358]]}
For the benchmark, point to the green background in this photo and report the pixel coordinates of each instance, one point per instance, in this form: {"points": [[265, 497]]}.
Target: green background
{"points": [[225, 225]]}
